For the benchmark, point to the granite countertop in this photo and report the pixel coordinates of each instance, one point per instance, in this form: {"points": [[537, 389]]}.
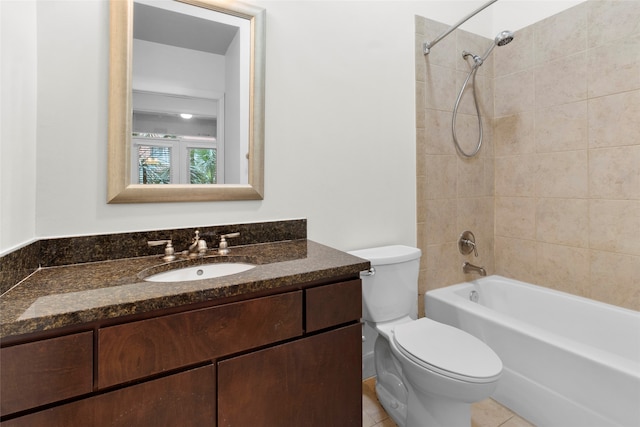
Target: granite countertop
{"points": [[55, 297]]}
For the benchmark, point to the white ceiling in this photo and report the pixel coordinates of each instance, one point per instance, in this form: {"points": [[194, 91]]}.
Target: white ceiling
{"points": [[158, 25]]}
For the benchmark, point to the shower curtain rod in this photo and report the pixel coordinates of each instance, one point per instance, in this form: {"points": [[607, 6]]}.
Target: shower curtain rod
{"points": [[427, 46]]}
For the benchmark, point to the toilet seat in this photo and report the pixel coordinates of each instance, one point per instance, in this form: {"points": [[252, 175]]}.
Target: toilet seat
{"points": [[447, 350]]}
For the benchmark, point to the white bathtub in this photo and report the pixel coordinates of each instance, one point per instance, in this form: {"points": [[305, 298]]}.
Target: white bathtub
{"points": [[568, 361]]}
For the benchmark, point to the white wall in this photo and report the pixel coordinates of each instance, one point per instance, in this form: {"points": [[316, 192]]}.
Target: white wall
{"points": [[18, 120], [165, 69], [340, 124]]}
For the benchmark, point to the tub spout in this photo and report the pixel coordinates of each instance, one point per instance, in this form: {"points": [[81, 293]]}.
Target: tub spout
{"points": [[467, 267]]}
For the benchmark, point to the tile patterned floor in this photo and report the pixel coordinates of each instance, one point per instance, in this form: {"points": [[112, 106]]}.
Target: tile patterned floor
{"points": [[487, 413]]}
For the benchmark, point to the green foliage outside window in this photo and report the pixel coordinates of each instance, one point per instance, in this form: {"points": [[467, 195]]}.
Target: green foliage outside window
{"points": [[202, 166]]}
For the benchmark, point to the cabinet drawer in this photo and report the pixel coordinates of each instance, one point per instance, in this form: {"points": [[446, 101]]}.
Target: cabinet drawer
{"points": [[138, 349], [185, 399], [45, 371], [332, 305]]}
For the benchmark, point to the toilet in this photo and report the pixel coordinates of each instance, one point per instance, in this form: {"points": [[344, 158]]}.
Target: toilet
{"points": [[427, 373]]}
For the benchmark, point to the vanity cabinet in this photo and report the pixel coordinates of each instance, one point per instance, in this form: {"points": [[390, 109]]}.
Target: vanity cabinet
{"points": [[289, 358], [45, 371]]}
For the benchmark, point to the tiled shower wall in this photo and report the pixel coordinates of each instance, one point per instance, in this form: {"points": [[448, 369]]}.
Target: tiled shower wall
{"points": [[563, 148], [454, 194]]}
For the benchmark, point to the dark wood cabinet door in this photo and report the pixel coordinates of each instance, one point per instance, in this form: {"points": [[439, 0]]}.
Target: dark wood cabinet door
{"points": [[314, 381], [46, 371], [333, 305], [186, 399], [135, 350]]}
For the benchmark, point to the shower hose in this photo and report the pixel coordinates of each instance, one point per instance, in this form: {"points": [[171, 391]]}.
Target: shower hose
{"points": [[472, 73]]}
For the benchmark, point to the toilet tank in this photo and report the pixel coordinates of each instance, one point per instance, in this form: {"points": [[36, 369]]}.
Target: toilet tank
{"points": [[392, 291]]}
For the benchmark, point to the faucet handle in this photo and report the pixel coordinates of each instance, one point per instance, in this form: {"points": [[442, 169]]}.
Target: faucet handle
{"points": [[236, 234], [223, 247], [169, 251], [158, 242], [467, 243]]}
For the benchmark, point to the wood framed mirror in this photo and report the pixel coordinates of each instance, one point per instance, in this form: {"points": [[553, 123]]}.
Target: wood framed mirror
{"points": [[179, 61]]}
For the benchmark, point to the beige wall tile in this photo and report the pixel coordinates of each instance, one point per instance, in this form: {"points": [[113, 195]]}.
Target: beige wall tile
{"points": [[489, 176], [442, 177], [565, 268], [421, 200], [561, 33], [515, 217], [561, 127], [562, 174], [444, 265], [471, 180], [420, 22], [563, 221], [613, 224], [486, 98], [517, 55], [614, 173], [514, 134], [561, 81], [422, 243], [441, 221], [615, 279], [515, 175], [614, 120], [438, 132], [515, 93], [420, 104], [476, 214], [421, 60], [444, 52], [440, 87], [612, 20], [614, 67], [516, 258], [421, 155]]}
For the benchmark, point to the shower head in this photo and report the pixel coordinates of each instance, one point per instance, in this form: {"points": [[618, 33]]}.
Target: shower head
{"points": [[505, 37]]}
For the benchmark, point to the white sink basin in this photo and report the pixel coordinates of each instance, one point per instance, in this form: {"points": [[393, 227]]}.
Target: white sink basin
{"points": [[199, 272]]}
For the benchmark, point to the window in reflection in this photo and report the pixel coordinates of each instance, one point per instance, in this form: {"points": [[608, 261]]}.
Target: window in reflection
{"points": [[170, 159]]}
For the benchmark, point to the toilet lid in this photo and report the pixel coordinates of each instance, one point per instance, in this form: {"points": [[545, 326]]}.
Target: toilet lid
{"points": [[447, 350]]}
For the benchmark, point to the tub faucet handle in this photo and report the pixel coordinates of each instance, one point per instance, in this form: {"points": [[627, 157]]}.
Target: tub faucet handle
{"points": [[467, 243]]}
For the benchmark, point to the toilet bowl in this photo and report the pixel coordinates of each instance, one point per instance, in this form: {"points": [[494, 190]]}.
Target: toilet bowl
{"points": [[427, 373]]}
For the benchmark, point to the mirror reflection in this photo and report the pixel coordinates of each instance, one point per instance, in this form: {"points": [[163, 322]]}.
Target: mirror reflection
{"points": [[194, 88], [176, 109]]}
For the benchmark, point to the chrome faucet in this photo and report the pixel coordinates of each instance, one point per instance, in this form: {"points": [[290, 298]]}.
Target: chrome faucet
{"points": [[467, 267], [198, 247]]}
